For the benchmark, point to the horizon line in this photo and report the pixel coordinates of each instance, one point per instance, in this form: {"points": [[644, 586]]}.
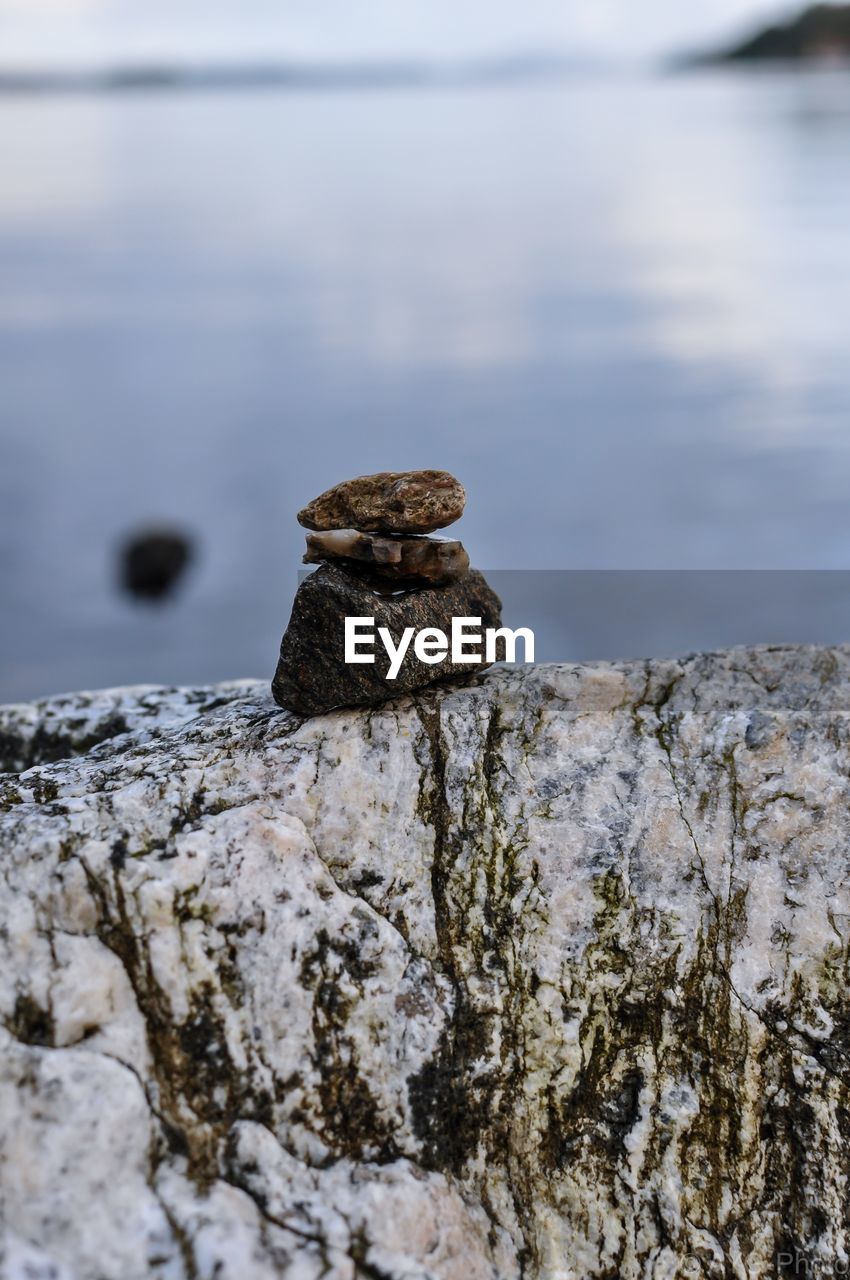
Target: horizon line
{"points": [[157, 74]]}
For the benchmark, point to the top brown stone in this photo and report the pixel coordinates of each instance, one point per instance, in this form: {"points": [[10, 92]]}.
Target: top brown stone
{"points": [[389, 502]]}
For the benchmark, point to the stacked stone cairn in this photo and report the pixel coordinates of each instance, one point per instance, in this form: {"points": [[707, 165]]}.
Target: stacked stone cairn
{"points": [[369, 537]]}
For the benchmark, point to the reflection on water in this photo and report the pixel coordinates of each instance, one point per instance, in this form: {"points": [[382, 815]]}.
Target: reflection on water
{"points": [[616, 309]]}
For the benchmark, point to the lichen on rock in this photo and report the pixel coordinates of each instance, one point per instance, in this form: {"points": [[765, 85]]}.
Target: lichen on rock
{"points": [[545, 977]]}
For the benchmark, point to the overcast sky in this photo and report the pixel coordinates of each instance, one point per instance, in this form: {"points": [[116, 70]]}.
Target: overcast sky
{"points": [[102, 30]]}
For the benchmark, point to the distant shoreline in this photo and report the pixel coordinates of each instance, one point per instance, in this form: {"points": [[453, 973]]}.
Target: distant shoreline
{"points": [[293, 79], [289, 76]]}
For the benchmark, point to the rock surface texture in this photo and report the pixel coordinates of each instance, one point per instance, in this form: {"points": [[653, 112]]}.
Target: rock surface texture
{"points": [[543, 977]]}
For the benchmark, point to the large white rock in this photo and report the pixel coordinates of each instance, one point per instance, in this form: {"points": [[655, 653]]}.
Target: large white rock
{"points": [[542, 977]]}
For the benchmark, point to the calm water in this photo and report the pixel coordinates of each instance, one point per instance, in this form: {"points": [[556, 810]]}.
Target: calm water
{"points": [[619, 310]]}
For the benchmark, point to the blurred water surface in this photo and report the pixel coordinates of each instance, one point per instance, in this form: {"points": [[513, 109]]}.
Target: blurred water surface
{"points": [[618, 309]]}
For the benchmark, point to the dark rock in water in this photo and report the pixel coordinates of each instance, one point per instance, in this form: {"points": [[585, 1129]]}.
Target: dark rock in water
{"points": [[153, 561], [401, 559], [312, 675], [389, 502]]}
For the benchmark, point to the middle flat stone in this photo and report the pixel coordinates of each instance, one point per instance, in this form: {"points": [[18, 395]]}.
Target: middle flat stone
{"points": [[412, 558]]}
